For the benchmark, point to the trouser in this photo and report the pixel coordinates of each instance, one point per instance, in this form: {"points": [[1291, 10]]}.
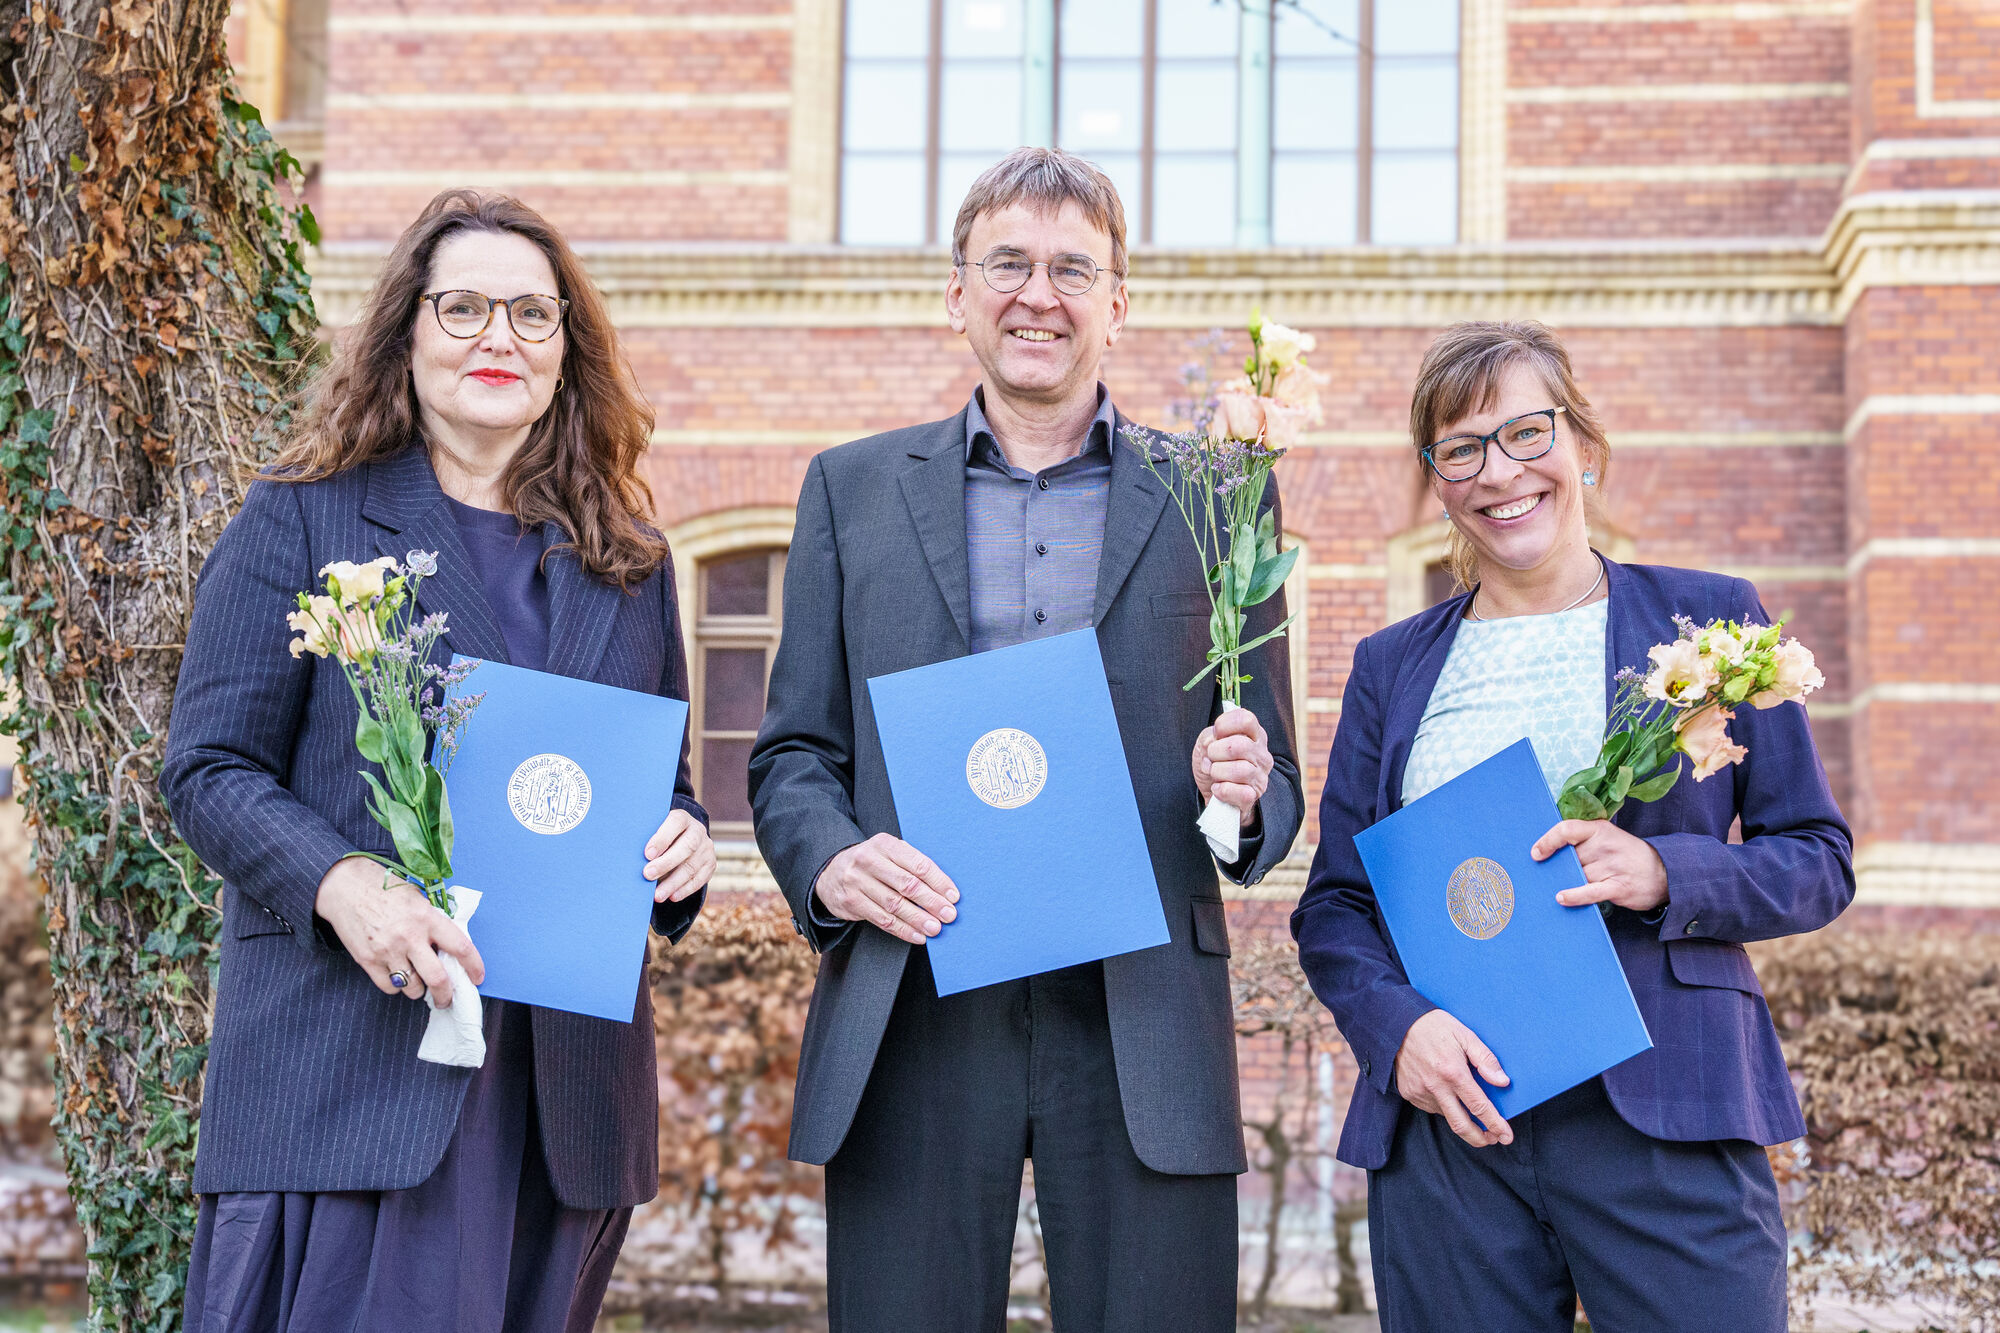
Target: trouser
{"points": [[922, 1197], [1653, 1235]]}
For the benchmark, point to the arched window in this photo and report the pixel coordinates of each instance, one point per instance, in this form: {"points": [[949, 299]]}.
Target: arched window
{"points": [[730, 569]]}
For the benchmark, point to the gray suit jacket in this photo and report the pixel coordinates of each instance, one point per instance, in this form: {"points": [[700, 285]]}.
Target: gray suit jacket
{"points": [[877, 582], [313, 1078]]}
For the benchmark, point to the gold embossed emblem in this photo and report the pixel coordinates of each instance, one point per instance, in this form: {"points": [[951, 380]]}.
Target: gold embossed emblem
{"points": [[1480, 898], [549, 793], [1006, 768]]}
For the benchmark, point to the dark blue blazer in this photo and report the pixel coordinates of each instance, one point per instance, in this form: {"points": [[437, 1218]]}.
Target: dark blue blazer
{"points": [[313, 1079], [1715, 1071]]}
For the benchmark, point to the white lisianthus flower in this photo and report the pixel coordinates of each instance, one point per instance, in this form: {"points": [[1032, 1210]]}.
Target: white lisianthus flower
{"points": [[1280, 347], [359, 584], [1797, 675], [1681, 675]]}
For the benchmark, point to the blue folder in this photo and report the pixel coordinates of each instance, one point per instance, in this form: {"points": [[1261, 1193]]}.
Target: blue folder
{"points": [[557, 786], [1475, 920], [1008, 771]]}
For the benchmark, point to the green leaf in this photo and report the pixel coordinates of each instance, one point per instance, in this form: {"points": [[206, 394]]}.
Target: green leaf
{"points": [[1243, 554], [442, 822], [1283, 625], [1653, 789], [1267, 533], [369, 738], [1269, 576], [1581, 804], [1621, 782]]}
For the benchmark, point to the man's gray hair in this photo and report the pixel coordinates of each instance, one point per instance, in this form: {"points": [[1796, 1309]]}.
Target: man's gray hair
{"points": [[1045, 179]]}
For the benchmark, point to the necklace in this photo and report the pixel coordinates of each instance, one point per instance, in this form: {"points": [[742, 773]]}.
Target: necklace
{"points": [[1472, 610]]}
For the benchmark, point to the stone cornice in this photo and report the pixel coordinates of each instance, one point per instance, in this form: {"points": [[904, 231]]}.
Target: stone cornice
{"points": [[1919, 237]]}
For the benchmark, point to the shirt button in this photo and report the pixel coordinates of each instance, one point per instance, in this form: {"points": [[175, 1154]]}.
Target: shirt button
{"points": [[1043, 482], [1041, 616], [1041, 548], [1690, 927]]}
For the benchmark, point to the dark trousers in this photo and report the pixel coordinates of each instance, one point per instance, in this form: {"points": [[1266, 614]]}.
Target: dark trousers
{"points": [[1653, 1235], [922, 1197]]}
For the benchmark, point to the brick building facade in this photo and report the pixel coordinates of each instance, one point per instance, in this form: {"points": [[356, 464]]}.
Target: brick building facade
{"points": [[1770, 234]]}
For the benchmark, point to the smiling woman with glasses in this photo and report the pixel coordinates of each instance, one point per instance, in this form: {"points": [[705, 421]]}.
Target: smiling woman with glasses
{"points": [[1644, 1190], [344, 1183]]}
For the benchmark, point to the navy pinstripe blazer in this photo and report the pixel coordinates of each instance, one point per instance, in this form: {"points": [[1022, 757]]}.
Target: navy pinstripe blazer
{"points": [[313, 1078], [878, 581], [1715, 1070]]}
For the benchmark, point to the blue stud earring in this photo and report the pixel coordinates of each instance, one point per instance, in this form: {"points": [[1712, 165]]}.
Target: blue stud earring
{"points": [[1589, 477]]}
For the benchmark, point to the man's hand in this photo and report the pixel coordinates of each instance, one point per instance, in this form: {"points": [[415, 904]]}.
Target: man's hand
{"points": [[1434, 1073], [1618, 868], [1232, 762], [891, 884]]}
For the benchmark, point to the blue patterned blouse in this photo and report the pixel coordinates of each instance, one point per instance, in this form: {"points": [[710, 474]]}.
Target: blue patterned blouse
{"points": [[1536, 676]]}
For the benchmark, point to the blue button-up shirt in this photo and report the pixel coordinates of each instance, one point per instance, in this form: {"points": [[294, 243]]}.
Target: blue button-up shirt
{"points": [[1032, 539]]}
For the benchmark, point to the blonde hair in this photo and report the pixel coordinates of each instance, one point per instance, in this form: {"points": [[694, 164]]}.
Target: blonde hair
{"points": [[1461, 374], [1046, 179]]}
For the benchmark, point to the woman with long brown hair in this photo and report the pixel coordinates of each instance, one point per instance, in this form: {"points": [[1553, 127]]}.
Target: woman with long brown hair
{"points": [[480, 409]]}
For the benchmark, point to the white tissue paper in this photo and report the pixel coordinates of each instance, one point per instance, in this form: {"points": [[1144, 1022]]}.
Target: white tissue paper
{"points": [[455, 1035], [1220, 822]]}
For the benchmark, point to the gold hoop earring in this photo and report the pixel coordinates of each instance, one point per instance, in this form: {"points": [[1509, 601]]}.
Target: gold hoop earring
{"points": [[559, 383]]}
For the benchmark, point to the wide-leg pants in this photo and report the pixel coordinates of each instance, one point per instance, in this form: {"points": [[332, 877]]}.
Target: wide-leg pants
{"points": [[1653, 1235], [923, 1195]]}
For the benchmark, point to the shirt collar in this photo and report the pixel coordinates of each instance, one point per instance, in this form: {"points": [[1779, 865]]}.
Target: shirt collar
{"points": [[1097, 438]]}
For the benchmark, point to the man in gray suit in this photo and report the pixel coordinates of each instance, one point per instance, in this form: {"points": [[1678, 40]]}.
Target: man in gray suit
{"points": [[1025, 515]]}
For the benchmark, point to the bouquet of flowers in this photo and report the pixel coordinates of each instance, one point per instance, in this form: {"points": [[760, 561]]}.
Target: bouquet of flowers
{"points": [[1683, 706], [365, 620], [1217, 478]]}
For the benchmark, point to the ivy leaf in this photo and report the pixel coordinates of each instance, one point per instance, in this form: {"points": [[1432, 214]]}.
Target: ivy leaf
{"points": [[188, 1061]]}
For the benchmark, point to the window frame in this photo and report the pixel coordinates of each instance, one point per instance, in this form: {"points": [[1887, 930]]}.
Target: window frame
{"points": [[1140, 212]]}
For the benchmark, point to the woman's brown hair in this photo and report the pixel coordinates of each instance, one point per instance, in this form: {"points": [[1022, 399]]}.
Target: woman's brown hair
{"points": [[1461, 374], [579, 467]]}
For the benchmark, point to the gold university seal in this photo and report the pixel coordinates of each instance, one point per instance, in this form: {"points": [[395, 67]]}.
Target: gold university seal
{"points": [[549, 793], [1006, 768], [1480, 898]]}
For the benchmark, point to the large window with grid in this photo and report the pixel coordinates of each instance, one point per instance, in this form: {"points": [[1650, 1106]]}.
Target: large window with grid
{"points": [[735, 639], [1223, 122]]}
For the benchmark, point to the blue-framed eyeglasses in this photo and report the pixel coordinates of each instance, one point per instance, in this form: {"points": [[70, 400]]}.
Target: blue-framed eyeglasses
{"points": [[1523, 439]]}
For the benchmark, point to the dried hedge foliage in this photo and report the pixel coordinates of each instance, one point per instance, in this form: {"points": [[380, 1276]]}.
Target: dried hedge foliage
{"points": [[729, 1007], [1894, 1040]]}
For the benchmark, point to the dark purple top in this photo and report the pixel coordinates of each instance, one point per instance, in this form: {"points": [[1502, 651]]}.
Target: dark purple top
{"points": [[508, 558]]}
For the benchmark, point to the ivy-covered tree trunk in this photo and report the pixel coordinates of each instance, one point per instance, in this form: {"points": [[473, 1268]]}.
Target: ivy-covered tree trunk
{"points": [[154, 307]]}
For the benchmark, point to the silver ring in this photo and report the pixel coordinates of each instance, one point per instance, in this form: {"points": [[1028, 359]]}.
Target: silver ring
{"points": [[399, 979]]}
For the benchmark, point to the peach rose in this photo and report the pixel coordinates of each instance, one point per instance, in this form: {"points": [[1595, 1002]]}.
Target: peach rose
{"points": [[1239, 415], [1704, 738], [1796, 678]]}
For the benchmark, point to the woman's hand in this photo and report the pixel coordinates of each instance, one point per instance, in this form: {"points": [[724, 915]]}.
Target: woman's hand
{"points": [[1232, 761], [389, 926], [1434, 1073], [1619, 868], [681, 857]]}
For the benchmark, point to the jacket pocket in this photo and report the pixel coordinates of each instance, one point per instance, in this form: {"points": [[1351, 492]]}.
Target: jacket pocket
{"points": [[1181, 604], [1713, 963], [253, 918], [1211, 926]]}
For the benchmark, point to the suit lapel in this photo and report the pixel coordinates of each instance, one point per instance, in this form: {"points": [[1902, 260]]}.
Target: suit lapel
{"points": [[582, 609], [405, 503], [1131, 511], [934, 489]]}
